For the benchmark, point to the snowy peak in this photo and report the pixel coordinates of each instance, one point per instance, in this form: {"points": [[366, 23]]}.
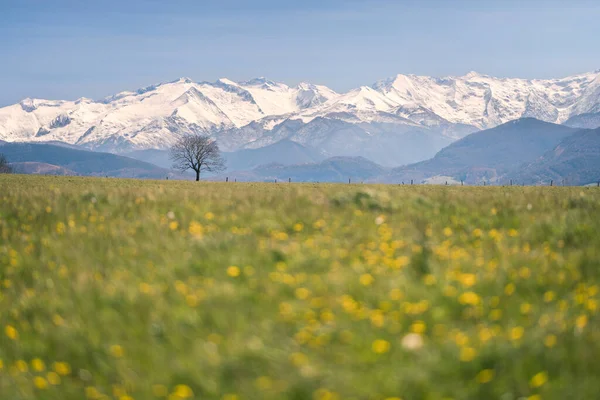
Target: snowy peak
{"points": [[484, 101], [154, 116]]}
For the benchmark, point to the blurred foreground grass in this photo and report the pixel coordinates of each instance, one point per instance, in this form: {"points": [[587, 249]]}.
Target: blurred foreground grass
{"points": [[127, 289]]}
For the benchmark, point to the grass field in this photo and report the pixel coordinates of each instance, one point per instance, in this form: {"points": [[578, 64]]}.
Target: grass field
{"points": [[125, 289]]}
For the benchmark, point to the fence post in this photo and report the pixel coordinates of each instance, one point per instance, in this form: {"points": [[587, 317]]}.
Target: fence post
{"points": [[461, 182], [289, 180], [551, 182], [227, 179], [411, 181], [511, 182], [348, 180]]}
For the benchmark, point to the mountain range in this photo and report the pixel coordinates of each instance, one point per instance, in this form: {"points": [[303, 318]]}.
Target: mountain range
{"points": [[396, 121]]}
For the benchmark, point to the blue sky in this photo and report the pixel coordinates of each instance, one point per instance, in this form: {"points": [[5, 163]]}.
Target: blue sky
{"points": [[69, 49]]}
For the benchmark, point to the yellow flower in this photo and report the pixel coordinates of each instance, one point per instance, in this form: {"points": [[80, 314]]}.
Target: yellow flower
{"points": [[302, 293], [485, 375], [581, 321], [196, 229], [468, 280], [516, 333], [38, 365], [173, 225], [467, 354], [395, 294], [233, 271], [116, 351], [53, 378], [509, 289], [447, 231], [534, 397], [380, 346], [183, 391], [525, 308], [11, 332], [298, 227], [230, 396], [550, 341], [21, 366], [401, 261], [418, 327], [538, 379], [366, 279], [40, 382], [470, 298], [62, 368]]}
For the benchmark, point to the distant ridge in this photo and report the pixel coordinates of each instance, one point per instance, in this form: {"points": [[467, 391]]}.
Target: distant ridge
{"points": [[487, 155], [61, 160]]}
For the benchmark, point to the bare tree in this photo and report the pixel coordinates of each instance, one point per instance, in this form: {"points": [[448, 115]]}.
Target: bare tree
{"points": [[198, 153], [5, 167]]}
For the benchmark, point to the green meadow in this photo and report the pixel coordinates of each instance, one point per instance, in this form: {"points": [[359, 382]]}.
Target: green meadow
{"points": [[128, 289]]}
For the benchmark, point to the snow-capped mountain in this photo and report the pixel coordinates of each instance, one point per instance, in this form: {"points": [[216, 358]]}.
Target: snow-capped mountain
{"points": [[378, 120], [485, 101], [154, 116]]}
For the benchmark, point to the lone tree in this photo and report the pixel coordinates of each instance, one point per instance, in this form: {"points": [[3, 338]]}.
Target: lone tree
{"points": [[5, 167], [198, 153]]}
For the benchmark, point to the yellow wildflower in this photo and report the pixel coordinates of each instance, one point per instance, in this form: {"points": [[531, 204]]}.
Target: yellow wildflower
{"points": [[53, 378], [38, 365], [183, 391], [467, 354], [538, 379], [485, 376], [366, 279], [40, 382], [380, 346], [116, 351], [11, 332], [550, 341], [233, 271], [62, 368]]}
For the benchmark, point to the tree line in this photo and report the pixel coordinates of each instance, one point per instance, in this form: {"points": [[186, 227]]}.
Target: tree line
{"points": [[5, 167]]}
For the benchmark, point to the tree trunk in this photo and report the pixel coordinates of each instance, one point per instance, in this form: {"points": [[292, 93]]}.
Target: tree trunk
{"points": [[197, 175]]}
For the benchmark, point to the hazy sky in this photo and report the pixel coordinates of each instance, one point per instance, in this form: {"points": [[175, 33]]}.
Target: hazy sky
{"points": [[69, 49]]}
